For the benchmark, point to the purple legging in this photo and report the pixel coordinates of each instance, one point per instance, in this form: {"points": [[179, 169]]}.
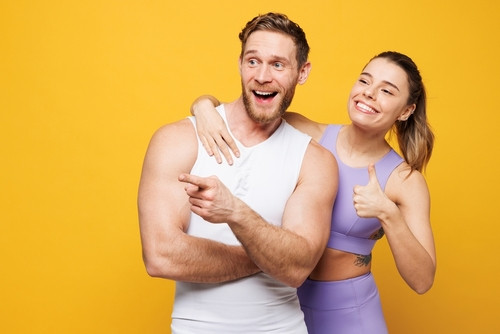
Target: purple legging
{"points": [[351, 306]]}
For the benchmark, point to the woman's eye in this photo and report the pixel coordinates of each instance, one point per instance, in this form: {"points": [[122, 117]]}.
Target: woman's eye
{"points": [[387, 91]]}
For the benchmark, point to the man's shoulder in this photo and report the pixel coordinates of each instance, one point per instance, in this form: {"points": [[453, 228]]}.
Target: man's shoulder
{"points": [[177, 126], [177, 139], [314, 151], [319, 169], [179, 130], [320, 156]]}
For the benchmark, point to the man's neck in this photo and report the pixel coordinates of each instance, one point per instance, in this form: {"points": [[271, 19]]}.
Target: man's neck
{"points": [[245, 129]]}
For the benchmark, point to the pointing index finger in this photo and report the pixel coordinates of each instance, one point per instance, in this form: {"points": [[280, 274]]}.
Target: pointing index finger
{"points": [[194, 180]]}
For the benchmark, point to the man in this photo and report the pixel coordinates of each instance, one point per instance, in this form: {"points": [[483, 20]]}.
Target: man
{"points": [[239, 239]]}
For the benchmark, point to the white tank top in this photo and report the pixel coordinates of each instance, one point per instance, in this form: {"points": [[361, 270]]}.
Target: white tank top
{"points": [[264, 177]]}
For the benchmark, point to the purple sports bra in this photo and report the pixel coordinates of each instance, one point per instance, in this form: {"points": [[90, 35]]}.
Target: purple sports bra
{"points": [[349, 232]]}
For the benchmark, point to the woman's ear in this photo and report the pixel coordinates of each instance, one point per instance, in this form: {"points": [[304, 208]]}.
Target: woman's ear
{"points": [[407, 112]]}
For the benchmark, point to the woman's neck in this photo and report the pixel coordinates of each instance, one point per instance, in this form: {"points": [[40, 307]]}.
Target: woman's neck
{"points": [[358, 148]]}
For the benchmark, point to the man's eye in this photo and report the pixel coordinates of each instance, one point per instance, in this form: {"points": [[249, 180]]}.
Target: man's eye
{"points": [[252, 62], [278, 66], [363, 81]]}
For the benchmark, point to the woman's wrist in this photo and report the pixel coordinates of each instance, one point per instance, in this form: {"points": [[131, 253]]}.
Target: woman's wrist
{"points": [[204, 102]]}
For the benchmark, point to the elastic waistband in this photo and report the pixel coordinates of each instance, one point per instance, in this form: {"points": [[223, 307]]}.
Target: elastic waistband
{"points": [[331, 295]]}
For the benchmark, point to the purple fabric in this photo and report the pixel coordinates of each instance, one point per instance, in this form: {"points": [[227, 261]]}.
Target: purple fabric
{"points": [[349, 232], [351, 306]]}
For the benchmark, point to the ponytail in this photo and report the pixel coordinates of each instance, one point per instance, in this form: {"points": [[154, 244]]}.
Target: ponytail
{"points": [[415, 137]]}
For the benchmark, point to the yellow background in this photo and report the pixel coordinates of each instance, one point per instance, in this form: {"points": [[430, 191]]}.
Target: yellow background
{"points": [[83, 85]]}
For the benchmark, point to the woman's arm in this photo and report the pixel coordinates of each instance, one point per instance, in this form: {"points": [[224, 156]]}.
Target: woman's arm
{"points": [[405, 216], [409, 231], [212, 130], [306, 125], [215, 136]]}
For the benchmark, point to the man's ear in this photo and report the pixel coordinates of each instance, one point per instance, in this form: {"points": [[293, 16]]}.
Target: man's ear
{"points": [[304, 73]]}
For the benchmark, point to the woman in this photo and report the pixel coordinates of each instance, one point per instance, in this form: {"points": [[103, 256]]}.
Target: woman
{"points": [[379, 193]]}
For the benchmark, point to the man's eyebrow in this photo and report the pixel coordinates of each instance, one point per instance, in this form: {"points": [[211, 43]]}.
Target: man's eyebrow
{"points": [[250, 52], [274, 57], [384, 81]]}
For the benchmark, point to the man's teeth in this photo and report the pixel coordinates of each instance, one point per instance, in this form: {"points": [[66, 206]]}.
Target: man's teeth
{"points": [[263, 93]]}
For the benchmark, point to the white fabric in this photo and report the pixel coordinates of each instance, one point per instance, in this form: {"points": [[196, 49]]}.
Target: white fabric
{"points": [[264, 177]]}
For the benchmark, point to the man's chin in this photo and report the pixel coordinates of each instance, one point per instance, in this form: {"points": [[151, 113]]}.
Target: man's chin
{"points": [[265, 117]]}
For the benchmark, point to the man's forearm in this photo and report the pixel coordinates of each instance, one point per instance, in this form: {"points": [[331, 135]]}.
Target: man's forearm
{"points": [[200, 260], [276, 251]]}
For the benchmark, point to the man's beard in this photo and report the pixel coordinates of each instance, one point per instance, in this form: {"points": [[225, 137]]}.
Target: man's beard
{"points": [[265, 118]]}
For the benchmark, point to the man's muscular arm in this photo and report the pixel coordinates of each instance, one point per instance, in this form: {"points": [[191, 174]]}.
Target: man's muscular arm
{"points": [[164, 212], [290, 252]]}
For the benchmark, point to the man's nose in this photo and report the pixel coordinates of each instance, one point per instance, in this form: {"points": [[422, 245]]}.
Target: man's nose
{"points": [[263, 74]]}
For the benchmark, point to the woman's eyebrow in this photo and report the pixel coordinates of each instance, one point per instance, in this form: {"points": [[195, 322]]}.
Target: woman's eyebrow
{"points": [[384, 81]]}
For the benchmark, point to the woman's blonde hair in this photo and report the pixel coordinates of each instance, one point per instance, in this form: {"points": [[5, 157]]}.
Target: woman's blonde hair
{"points": [[415, 137]]}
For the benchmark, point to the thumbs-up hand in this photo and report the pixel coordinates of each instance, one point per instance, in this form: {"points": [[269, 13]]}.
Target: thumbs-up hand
{"points": [[369, 200]]}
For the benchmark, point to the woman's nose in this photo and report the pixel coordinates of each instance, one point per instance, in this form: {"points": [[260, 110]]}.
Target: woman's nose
{"points": [[368, 92]]}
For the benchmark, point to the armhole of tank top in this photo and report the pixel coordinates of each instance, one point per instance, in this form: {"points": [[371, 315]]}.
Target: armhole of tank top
{"points": [[325, 134], [395, 160]]}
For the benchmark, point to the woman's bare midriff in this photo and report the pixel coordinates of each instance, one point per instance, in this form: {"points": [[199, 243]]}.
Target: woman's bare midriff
{"points": [[336, 265]]}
